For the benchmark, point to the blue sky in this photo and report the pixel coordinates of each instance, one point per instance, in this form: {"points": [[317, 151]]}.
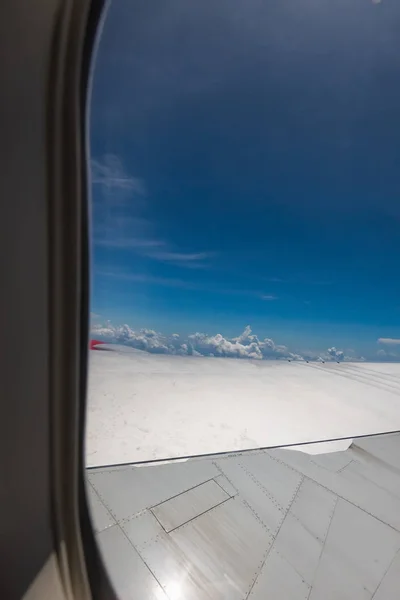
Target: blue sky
{"points": [[246, 170]]}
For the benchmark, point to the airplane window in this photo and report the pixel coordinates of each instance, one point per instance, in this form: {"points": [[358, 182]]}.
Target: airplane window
{"points": [[245, 295], [245, 181]]}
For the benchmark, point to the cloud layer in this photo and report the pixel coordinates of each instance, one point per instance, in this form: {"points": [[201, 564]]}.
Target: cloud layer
{"points": [[246, 345]]}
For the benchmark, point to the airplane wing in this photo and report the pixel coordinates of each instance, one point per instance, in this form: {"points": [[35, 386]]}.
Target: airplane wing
{"points": [[264, 525]]}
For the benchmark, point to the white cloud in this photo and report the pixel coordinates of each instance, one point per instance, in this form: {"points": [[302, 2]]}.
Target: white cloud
{"points": [[246, 345], [388, 355], [181, 256], [109, 172], [336, 354], [187, 284], [182, 259], [149, 279], [144, 339], [217, 345], [118, 205], [389, 341], [119, 219]]}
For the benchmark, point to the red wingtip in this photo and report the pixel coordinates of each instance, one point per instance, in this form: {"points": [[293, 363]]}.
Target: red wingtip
{"points": [[94, 343]]}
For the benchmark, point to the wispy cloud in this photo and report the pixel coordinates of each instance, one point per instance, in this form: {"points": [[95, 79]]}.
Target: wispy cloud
{"points": [[189, 260], [132, 230], [389, 341], [150, 248], [109, 172], [147, 278], [181, 256]]}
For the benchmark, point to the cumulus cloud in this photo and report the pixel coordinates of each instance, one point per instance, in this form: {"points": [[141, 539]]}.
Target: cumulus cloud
{"points": [[391, 350], [388, 355], [144, 339], [246, 345], [335, 353]]}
